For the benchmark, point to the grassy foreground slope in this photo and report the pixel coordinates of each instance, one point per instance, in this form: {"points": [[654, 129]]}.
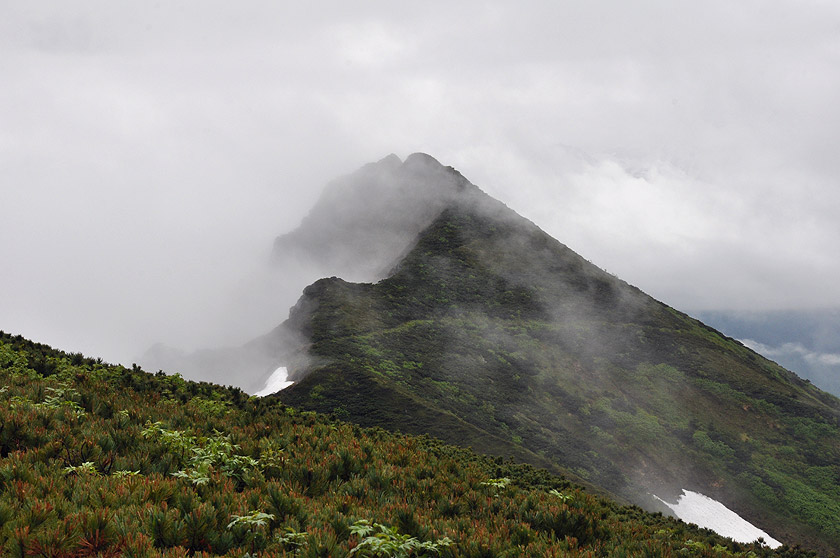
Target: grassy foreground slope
{"points": [[102, 460], [490, 320]]}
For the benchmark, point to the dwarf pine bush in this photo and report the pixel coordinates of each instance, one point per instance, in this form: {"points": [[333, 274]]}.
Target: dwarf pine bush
{"points": [[265, 479], [380, 541]]}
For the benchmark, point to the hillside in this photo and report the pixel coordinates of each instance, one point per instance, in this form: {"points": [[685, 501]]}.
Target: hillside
{"points": [[489, 333], [102, 460]]}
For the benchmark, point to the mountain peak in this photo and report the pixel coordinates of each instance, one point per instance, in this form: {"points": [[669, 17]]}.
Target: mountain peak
{"points": [[421, 159], [416, 162], [390, 160], [365, 220], [389, 163]]}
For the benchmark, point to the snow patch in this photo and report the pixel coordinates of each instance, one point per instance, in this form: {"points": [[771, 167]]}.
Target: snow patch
{"points": [[693, 507], [277, 381]]}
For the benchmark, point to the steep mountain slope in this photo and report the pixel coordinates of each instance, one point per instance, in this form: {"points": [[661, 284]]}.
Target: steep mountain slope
{"points": [[101, 460], [360, 227], [489, 322]]}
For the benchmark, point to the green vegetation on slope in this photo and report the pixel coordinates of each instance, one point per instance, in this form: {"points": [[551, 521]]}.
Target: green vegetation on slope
{"points": [[491, 322], [101, 460]]}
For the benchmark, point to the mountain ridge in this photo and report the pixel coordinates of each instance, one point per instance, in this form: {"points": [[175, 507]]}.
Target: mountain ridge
{"points": [[489, 329], [489, 318], [360, 228]]}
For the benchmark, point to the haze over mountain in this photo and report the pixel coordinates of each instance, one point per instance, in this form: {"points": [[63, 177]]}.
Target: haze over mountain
{"points": [[358, 230], [487, 332], [150, 154]]}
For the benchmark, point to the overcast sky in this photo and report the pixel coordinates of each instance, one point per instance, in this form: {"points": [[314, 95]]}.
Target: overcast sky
{"points": [[150, 152]]}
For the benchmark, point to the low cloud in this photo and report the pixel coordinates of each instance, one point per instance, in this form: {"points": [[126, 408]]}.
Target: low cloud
{"points": [[793, 349], [151, 155]]}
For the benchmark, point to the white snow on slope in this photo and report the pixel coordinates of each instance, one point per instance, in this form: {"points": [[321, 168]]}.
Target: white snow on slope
{"points": [[276, 382], [693, 507]]}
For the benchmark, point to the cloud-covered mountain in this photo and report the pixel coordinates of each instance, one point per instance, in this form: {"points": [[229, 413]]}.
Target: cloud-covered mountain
{"points": [[362, 222], [470, 323], [358, 230]]}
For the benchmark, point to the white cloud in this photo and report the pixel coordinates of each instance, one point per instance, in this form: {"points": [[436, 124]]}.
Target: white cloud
{"points": [[796, 349], [150, 153]]}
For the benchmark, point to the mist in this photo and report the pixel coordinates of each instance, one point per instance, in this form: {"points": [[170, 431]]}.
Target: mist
{"points": [[151, 155]]}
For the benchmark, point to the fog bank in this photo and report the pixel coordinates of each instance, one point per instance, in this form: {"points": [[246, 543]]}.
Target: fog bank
{"points": [[151, 154]]}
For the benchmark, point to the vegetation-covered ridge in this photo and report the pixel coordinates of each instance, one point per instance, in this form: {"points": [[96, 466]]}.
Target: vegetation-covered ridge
{"points": [[103, 460], [490, 321]]}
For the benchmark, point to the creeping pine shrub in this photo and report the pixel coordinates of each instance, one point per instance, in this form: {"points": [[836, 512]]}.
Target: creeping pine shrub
{"points": [[292, 541], [250, 527], [252, 520], [560, 495], [123, 474], [497, 485], [198, 475], [216, 452], [211, 407], [86, 468], [61, 397], [381, 541], [176, 441]]}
